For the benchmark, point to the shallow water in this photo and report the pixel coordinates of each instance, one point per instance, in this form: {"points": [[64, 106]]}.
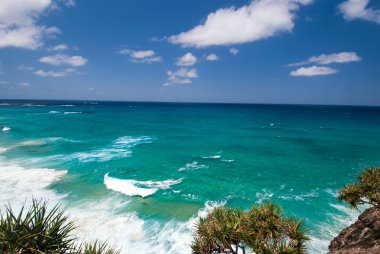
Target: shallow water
{"points": [[138, 174]]}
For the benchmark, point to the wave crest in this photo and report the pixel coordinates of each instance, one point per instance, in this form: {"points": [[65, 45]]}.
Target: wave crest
{"points": [[137, 188], [118, 149]]}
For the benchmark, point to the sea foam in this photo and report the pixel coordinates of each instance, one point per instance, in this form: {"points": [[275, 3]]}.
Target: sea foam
{"points": [[120, 148], [326, 231], [212, 157], [193, 165], [137, 188], [18, 184], [6, 128]]}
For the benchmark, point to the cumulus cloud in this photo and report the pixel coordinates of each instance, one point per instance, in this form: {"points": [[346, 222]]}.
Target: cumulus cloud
{"points": [[234, 51], [343, 57], [259, 20], [59, 47], [358, 9], [187, 60], [55, 74], [18, 23], [60, 59], [212, 57], [141, 56], [181, 76], [313, 71]]}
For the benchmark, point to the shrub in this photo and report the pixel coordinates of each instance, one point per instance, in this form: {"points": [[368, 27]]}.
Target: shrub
{"points": [[262, 229], [42, 231], [39, 230], [365, 191]]}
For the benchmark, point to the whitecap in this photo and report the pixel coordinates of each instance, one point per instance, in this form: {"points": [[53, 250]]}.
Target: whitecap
{"points": [[19, 184], [41, 142], [137, 188], [32, 105], [54, 112], [229, 161], [6, 128], [264, 195], [120, 148], [301, 197], [212, 157], [326, 231], [190, 196], [194, 165], [69, 113]]}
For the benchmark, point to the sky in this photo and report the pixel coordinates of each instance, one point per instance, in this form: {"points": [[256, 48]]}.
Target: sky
{"points": [[260, 51]]}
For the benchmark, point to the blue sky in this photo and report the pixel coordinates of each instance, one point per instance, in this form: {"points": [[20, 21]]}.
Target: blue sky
{"points": [[260, 51]]}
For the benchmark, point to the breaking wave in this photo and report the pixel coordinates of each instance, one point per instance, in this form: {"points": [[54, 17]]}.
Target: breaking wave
{"points": [[194, 165], [137, 188], [120, 148]]}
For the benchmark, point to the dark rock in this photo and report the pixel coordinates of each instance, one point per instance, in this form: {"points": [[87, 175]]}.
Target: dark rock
{"points": [[362, 237]]}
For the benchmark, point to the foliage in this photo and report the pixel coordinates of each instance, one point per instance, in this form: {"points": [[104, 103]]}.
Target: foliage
{"points": [[41, 230], [97, 248], [365, 191], [262, 229]]}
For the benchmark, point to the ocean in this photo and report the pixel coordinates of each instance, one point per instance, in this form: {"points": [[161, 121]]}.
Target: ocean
{"points": [[139, 174]]}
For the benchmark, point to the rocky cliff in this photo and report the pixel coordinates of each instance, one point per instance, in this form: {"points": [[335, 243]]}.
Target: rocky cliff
{"points": [[362, 237]]}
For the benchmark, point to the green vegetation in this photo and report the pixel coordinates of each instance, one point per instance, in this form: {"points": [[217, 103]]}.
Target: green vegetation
{"points": [[365, 191], [41, 230], [263, 229]]}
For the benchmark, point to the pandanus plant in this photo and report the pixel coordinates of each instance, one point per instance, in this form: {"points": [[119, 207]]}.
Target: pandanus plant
{"points": [[261, 230], [40, 230], [366, 191]]}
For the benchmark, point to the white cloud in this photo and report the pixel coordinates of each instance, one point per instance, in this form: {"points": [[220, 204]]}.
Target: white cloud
{"points": [[141, 56], [259, 20], [24, 84], [60, 59], [234, 51], [59, 47], [18, 23], [187, 60], [181, 76], [212, 57], [54, 74], [27, 37], [343, 57], [358, 9], [313, 71], [69, 3], [91, 89]]}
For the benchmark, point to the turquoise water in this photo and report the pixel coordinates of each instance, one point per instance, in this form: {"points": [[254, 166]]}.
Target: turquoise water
{"points": [[138, 174]]}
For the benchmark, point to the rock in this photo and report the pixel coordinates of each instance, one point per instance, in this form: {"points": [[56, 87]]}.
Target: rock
{"points": [[362, 237]]}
